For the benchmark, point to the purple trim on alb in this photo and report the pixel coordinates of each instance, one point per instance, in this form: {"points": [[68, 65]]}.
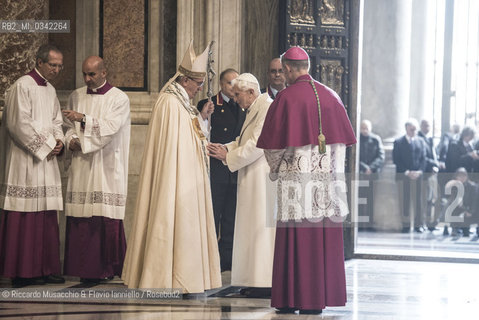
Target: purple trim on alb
{"points": [[102, 90], [38, 78]]}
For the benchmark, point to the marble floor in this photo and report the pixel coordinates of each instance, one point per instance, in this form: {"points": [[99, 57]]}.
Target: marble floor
{"points": [[377, 289], [428, 244]]}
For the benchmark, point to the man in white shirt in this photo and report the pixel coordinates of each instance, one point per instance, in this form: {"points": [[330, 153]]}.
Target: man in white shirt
{"points": [[98, 139], [30, 184]]}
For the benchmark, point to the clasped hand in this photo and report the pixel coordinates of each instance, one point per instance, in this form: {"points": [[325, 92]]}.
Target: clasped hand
{"points": [[74, 144], [217, 150], [56, 150]]}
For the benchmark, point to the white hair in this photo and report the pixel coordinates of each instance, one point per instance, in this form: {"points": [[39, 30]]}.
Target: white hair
{"points": [[367, 123], [411, 122], [246, 81]]}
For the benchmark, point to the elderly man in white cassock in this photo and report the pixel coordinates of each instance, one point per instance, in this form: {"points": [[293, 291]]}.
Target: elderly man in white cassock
{"points": [[253, 244], [173, 240], [31, 137], [98, 138]]}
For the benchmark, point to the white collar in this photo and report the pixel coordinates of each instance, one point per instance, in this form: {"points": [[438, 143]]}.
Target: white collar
{"points": [[274, 91], [225, 98]]}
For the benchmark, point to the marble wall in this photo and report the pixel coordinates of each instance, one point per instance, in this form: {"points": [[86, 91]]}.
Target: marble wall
{"points": [[17, 52], [123, 42]]}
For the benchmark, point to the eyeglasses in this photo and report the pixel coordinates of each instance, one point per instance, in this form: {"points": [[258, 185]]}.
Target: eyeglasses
{"points": [[54, 66], [198, 83], [274, 71]]}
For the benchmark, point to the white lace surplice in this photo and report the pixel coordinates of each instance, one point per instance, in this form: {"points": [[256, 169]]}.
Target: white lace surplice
{"points": [[31, 125], [310, 185], [98, 176]]}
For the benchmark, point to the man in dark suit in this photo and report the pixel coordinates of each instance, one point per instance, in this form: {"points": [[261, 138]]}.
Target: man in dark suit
{"points": [[276, 78], [409, 156], [461, 154], [443, 145], [441, 151], [467, 207], [371, 160], [430, 186], [226, 122]]}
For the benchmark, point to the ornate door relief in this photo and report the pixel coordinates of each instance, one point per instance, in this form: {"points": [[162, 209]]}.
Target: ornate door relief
{"points": [[322, 28]]}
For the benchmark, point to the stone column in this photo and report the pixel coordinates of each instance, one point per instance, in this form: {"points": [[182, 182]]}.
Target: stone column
{"points": [[385, 65], [422, 72], [385, 89]]}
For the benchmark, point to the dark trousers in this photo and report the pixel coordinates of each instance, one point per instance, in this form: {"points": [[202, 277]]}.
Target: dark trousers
{"points": [[410, 200], [224, 207]]}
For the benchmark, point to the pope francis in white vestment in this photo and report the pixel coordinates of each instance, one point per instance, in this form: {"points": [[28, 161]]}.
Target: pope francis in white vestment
{"points": [[173, 240]]}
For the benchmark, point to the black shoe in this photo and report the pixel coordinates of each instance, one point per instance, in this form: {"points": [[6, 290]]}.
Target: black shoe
{"points": [[17, 282], [23, 282], [195, 296], [446, 231], [456, 232], [405, 230], [53, 279], [419, 229], [432, 229], [285, 310], [245, 291], [253, 292], [312, 311], [90, 280]]}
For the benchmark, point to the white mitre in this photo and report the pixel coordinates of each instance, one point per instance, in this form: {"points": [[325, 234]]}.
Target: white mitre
{"points": [[192, 66]]}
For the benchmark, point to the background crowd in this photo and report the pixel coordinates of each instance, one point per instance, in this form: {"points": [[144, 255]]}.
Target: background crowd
{"points": [[436, 182]]}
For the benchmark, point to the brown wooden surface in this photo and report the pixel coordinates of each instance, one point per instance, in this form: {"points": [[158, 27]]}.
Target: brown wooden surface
{"points": [[261, 37]]}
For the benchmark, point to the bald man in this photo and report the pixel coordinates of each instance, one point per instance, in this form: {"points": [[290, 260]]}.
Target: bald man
{"points": [[98, 140]]}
